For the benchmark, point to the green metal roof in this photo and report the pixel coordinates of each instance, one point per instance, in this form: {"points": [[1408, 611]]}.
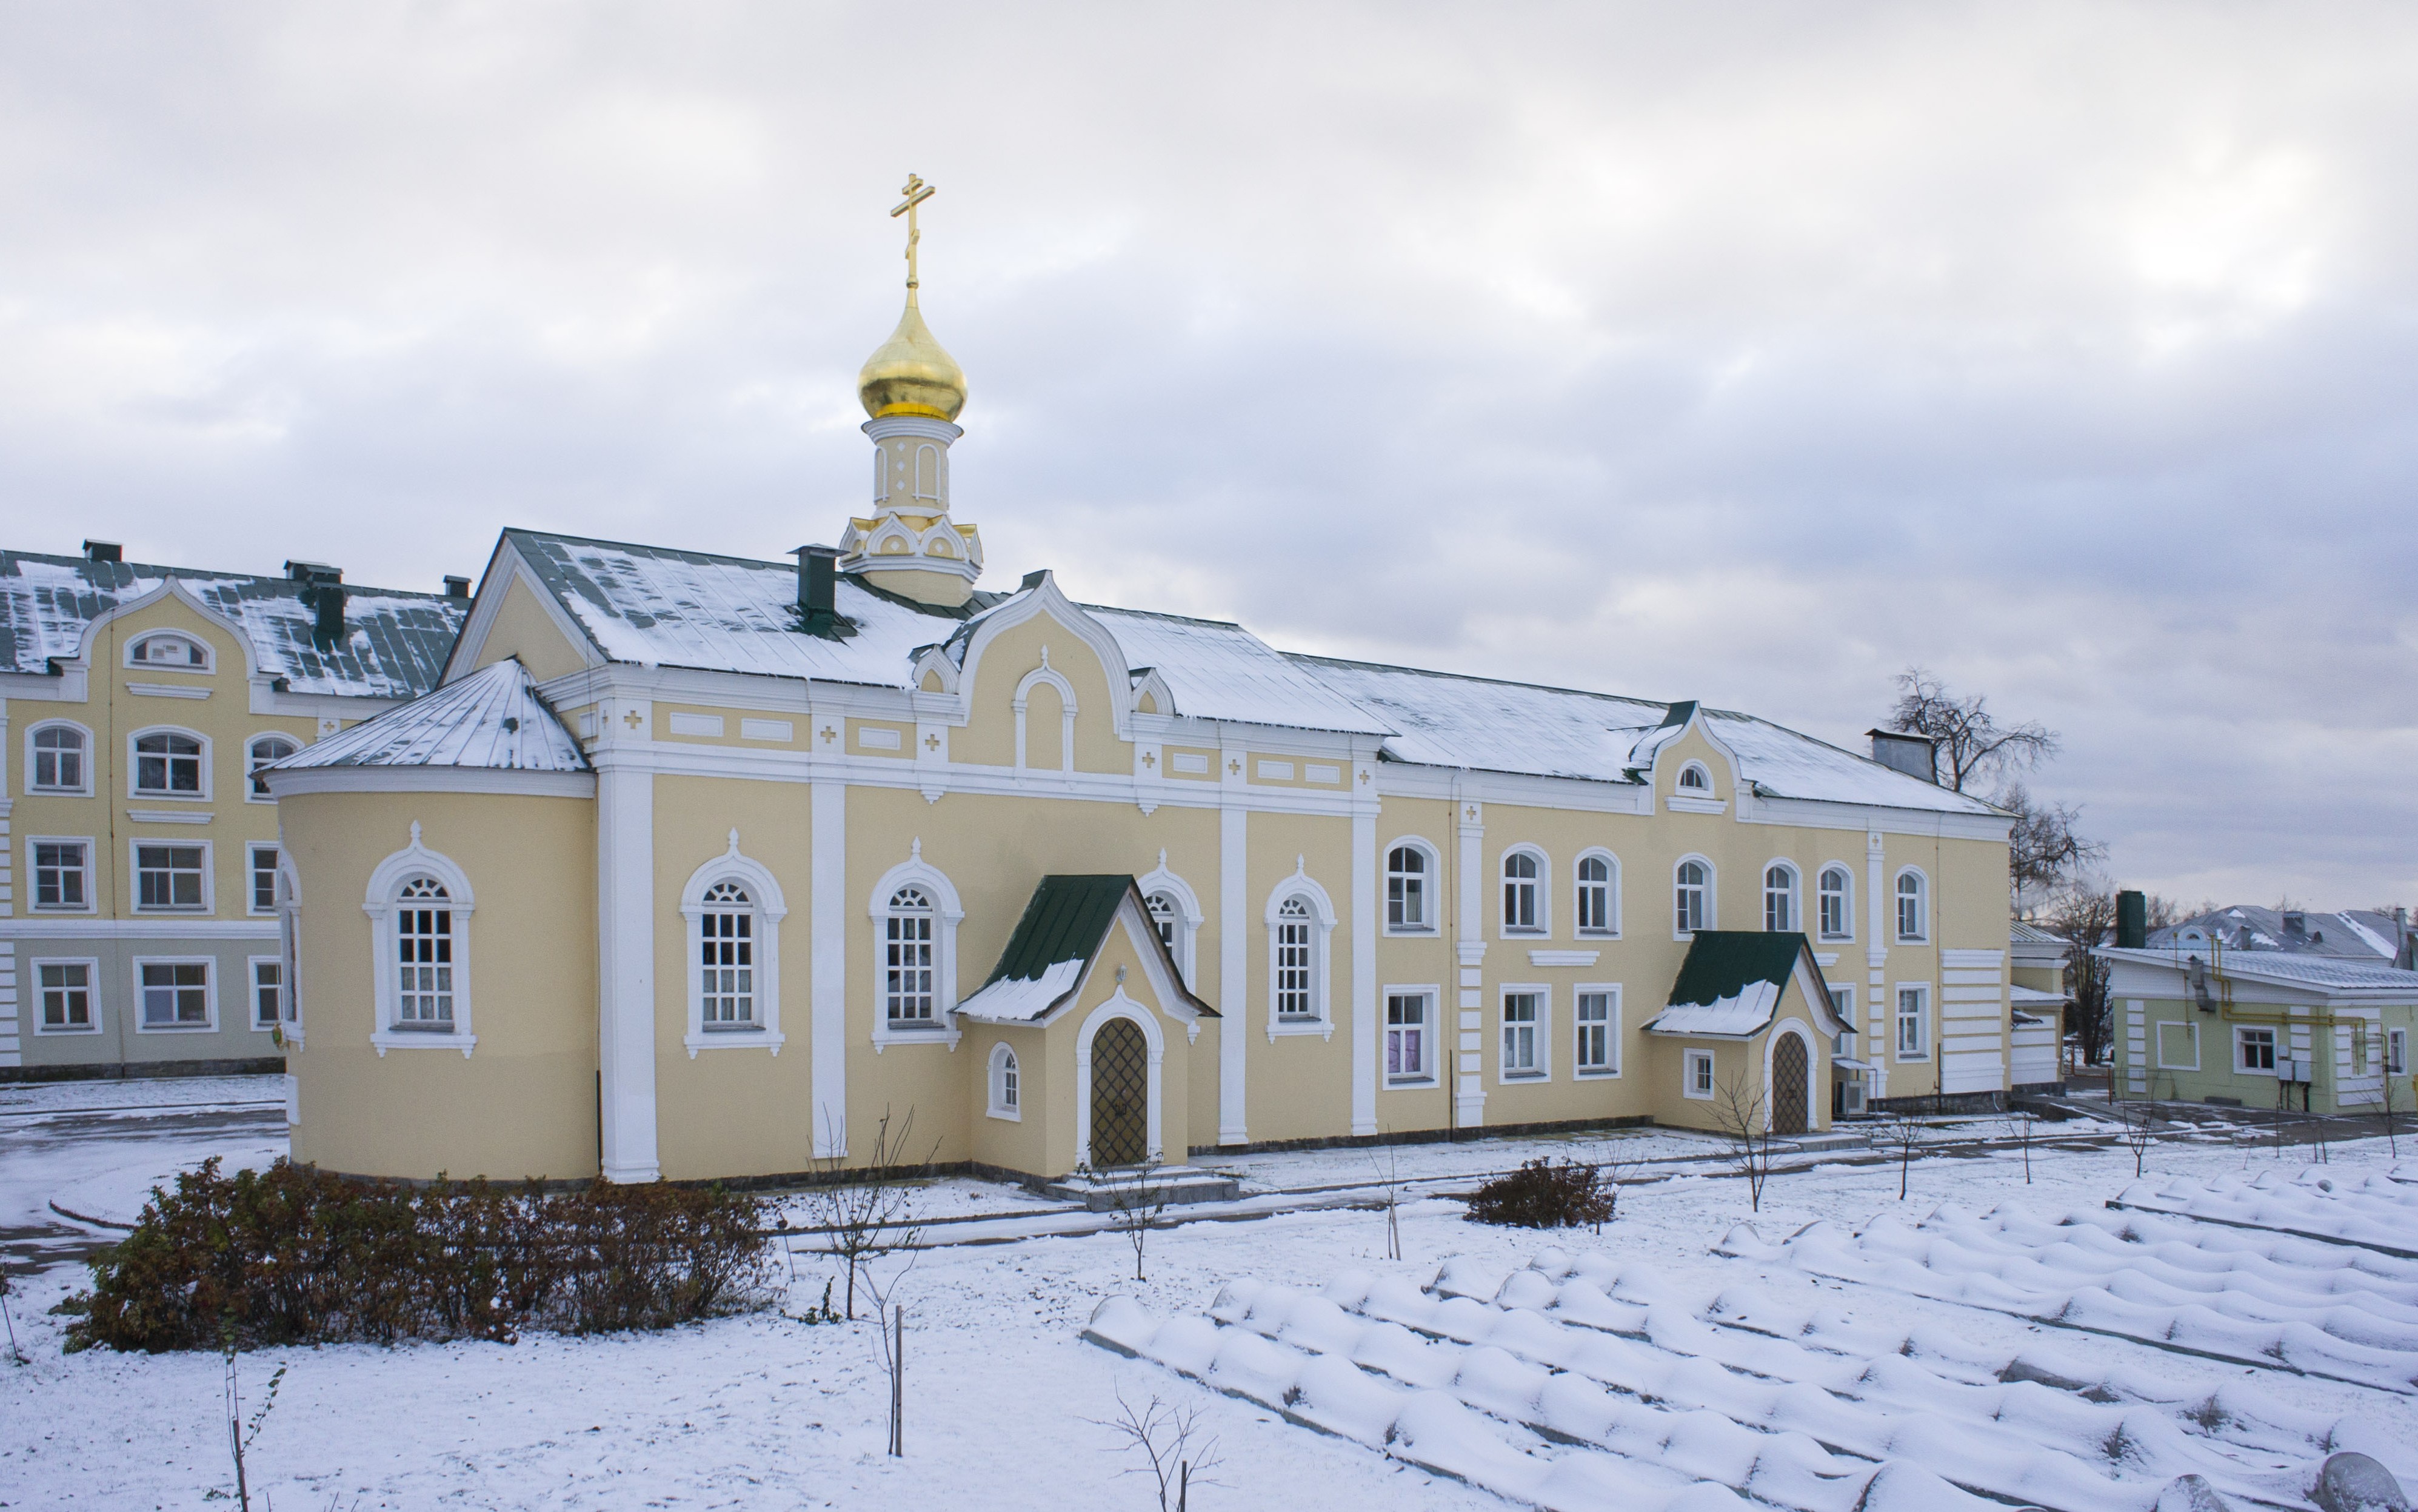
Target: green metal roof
{"points": [[1067, 919], [1721, 963]]}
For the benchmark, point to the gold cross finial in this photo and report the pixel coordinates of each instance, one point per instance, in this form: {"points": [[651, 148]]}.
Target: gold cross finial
{"points": [[917, 191]]}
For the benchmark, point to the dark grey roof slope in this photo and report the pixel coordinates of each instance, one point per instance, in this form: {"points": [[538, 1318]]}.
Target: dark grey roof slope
{"points": [[2358, 934], [394, 644]]}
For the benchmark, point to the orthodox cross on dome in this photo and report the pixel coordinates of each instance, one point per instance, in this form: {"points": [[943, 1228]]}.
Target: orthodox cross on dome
{"points": [[917, 191]]}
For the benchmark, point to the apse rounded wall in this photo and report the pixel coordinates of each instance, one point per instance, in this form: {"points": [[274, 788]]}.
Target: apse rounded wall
{"points": [[505, 1087]]}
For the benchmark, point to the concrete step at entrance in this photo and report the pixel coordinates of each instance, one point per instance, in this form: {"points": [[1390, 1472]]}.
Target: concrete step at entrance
{"points": [[1104, 1191]]}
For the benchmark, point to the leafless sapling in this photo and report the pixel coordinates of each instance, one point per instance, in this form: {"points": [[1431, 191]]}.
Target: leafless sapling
{"points": [[241, 1434], [1389, 1183], [866, 1212], [1903, 1132], [2398, 1096], [1137, 1200], [2021, 1123], [2140, 1130], [16, 1356], [1614, 1162], [1177, 1454], [1740, 1113]]}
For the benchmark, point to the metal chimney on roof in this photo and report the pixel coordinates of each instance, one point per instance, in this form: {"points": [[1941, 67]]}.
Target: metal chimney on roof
{"points": [[456, 587], [2132, 921], [103, 551], [819, 592], [1914, 755], [2295, 922]]}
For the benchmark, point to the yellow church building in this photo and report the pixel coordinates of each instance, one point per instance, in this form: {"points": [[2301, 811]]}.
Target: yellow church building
{"points": [[694, 866]]}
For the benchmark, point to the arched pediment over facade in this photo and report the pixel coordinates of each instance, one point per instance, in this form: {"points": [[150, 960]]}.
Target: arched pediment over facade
{"points": [[1040, 650]]}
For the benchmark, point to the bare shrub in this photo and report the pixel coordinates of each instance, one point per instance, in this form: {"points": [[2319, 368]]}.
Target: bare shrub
{"points": [[864, 1211], [1740, 1114], [2139, 1124], [1542, 1194], [1136, 1203], [2021, 1125], [1176, 1454], [1904, 1133]]}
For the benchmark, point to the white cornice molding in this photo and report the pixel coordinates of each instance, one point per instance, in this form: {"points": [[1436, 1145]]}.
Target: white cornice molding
{"points": [[47, 926], [431, 780]]}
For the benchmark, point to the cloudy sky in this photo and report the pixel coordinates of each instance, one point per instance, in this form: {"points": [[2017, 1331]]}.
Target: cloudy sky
{"points": [[1744, 353]]}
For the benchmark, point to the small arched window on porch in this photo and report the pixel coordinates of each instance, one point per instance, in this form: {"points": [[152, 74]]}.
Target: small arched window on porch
{"points": [[1006, 1085]]}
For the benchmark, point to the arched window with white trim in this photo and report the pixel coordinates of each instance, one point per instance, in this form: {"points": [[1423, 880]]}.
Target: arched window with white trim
{"points": [[420, 905], [1410, 888], [1525, 902], [1006, 1084], [166, 650], [1175, 912], [915, 914], [58, 758], [169, 763], [1780, 915], [1597, 887], [1837, 900], [1300, 918], [288, 892], [262, 751], [1913, 907], [1695, 781], [1692, 896], [733, 908]]}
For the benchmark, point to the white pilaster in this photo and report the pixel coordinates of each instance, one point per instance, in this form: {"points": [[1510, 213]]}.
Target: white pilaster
{"points": [[625, 977], [1234, 967], [1469, 1090], [1364, 971], [827, 911]]}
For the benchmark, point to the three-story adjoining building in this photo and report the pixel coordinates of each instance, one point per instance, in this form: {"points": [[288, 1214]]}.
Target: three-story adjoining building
{"points": [[138, 880], [696, 866]]}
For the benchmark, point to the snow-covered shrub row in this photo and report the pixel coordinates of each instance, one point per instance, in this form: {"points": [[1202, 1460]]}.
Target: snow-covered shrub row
{"points": [[1586, 1384], [2378, 1210], [2267, 1300], [293, 1255]]}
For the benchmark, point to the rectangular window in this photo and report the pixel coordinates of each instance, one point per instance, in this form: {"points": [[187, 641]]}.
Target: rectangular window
{"points": [[1595, 898], [267, 992], [2178, 1046], [58, 760], [62, 875], [1522, 1017], [1833, 902], [423, 964], [1293, 951], [264, 878], [1842, 1002], [1599, 1031], [1408, 1051], [66, 988], [176, 994], [1406, 888], [729, 970], [907, 966], [1698, 1076], [2255, 1050], [168, 878], [1913, 1023], [2396, 1051]]}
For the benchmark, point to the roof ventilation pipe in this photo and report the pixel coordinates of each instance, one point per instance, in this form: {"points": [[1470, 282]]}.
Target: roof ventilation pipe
{"points": [[456, 587], [2132, 920], [323, 590], [2405, 942], [2295, 922], [819, 592], [103, 551], [1914, 755]]}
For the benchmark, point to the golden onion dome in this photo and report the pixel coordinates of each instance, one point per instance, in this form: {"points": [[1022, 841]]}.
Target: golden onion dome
{"points": [[911, 374]]}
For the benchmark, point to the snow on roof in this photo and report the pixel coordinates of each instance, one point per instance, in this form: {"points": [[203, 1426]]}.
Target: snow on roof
{"points": [[1740, 1016], [2289, 968], [1022, 1000], [1220, 670], [2035, 998], [2019, 932], [2360, 933], [394, 644], [492, 718]]}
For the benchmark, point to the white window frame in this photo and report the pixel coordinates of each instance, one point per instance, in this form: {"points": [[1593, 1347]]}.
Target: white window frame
{"points": [[946, 913], [209, 652], [1543, 993], [2397, 1052], [209, 903], [1004, 1078], [209, 966], [251, 762], [1611, 1071], [379, 902], [1793, 891], [1188, 917], [252, 964], [289, 942], [1320, 1020], [1846, 876], [1921, 906], [1045, 673], [1540, 893], [1712, 895], [2275, 1041], [1610, 929], [1897, 1021], [1703, 787], [83, 789], [1430, 892], [765, 901], [208, 775], [2158, 1043], [91, 903], [33, 995], [251, 869], [1428, 995], [1688, 1077]]}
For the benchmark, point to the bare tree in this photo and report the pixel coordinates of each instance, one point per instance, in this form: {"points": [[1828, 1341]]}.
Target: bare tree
{"points": [[1964, 731], [2020, 1125], [17, 1356], [2043, 851], [2139, 1122], [1741, 1112], [240, 1434], [1136, 1202], [864, 1211], [1179, 1456], [2397, 1090], [2084, 918], [1390, 1183], [1615, 1163], [1904, 1133]]}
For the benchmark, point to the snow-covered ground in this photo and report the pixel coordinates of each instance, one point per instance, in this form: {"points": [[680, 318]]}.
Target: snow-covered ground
{"points": [[1703, 1372]]}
